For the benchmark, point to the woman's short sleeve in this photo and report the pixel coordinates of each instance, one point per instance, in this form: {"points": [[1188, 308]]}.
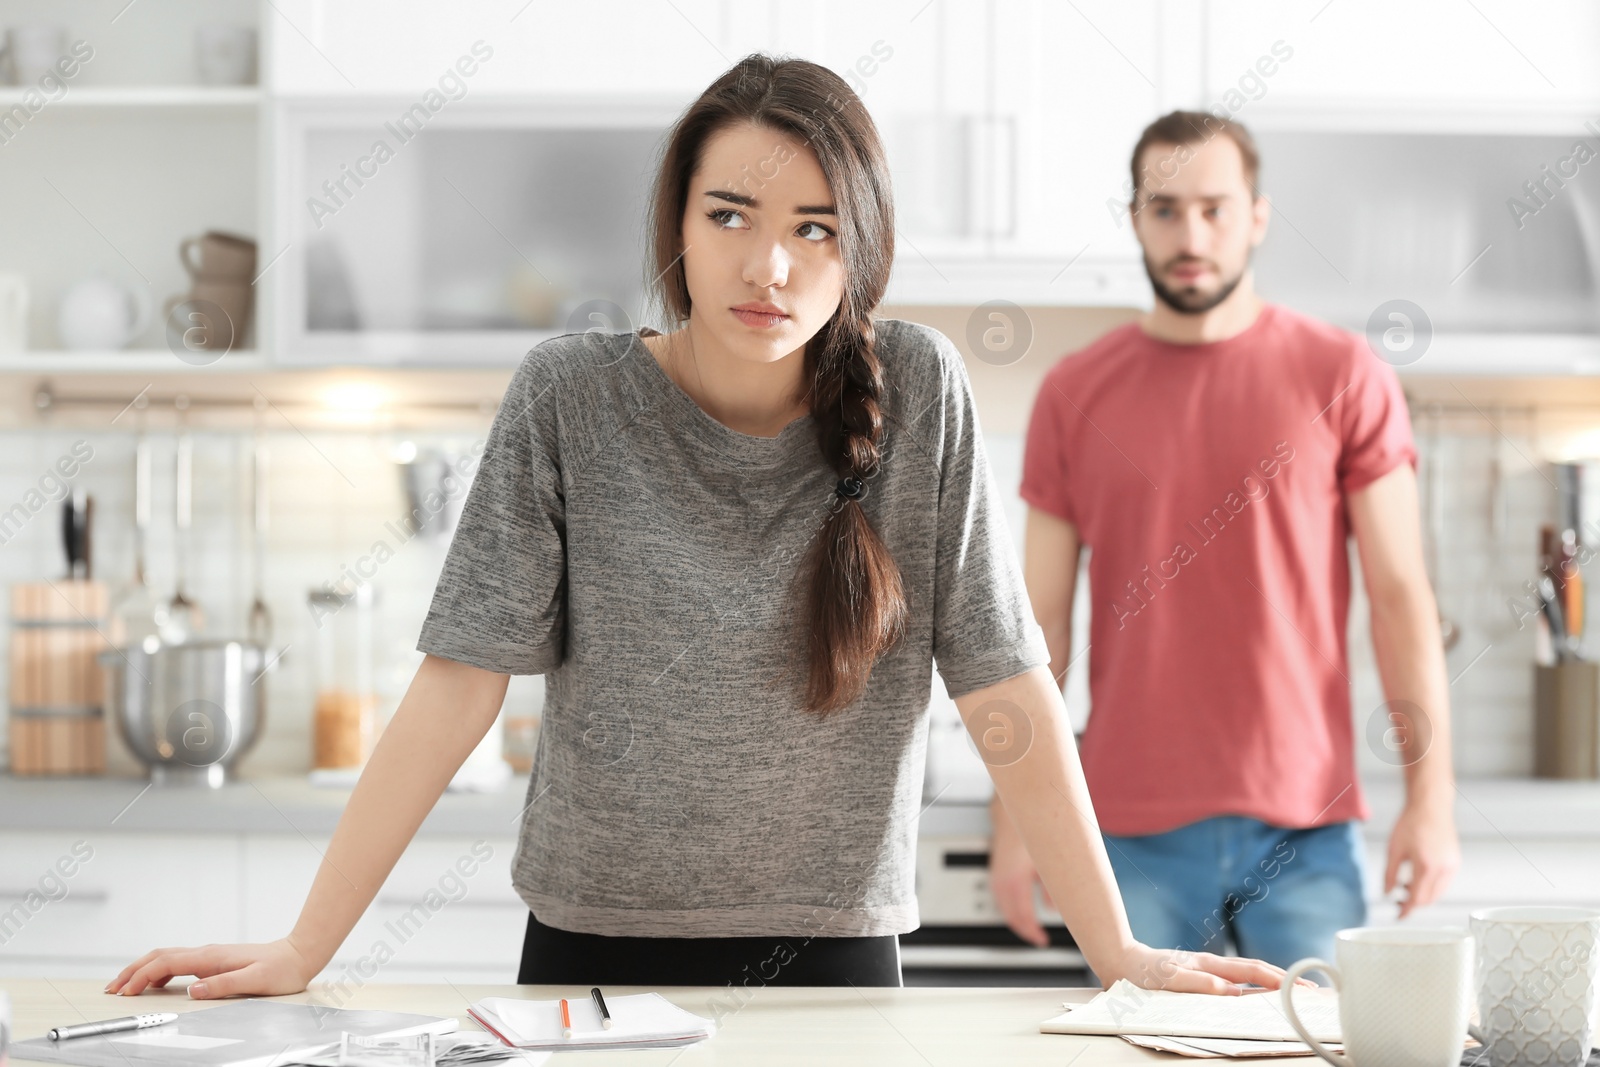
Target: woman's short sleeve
{"points": [[983, 626], [500, 603]]}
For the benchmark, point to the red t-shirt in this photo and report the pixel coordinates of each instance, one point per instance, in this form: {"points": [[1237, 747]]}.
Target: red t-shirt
{"points": [[1209, 483]]}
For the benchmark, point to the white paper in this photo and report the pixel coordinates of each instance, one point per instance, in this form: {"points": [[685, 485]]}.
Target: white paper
{"points": [[637, 1017], [174, 1040], [1218, 1047], [1127, 1009]]}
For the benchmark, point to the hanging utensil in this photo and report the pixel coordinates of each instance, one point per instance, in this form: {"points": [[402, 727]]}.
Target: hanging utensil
{"points": [[86, 537], [1497, 513], [140, 613], [185, 618], [70, 543], [260, 624], [1449, 632]]}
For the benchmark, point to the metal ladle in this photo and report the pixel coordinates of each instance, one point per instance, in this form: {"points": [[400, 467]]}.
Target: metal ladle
{"points": [[185, 617], [1449, 632], [260, 625]]}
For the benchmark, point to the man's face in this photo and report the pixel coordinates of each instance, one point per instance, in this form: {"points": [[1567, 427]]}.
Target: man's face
{"points": [[1197, 220], [759, 227]]}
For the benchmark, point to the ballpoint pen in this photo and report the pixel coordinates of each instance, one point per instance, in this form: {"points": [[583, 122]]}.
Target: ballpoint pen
{"points": [[113, 1026]]}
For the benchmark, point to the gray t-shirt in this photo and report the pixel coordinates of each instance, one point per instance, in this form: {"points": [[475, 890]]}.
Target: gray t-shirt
{"points": [[638, 552]]}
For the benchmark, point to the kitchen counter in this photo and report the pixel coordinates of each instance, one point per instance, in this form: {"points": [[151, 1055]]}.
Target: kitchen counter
{"points": [[1493, 808], [285, 804], [1496, 809], [775, 1026]]}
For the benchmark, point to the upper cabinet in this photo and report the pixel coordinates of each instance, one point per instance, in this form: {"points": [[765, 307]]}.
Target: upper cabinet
{"points": [[518, 141], [614, 48], [1431, 64], [458, 237], [1007, 126]]}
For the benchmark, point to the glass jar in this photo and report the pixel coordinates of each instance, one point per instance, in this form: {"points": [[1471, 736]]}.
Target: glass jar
{"points": [[342, 717]]}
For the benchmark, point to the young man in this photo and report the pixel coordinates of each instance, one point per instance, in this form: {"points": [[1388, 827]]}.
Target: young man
{"points": [[1215, 456]]}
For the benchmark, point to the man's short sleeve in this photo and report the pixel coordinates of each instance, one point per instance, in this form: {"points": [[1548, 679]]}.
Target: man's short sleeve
{"points": [[984, 629], [500, 603], [1374, 422], [1044, 459]]}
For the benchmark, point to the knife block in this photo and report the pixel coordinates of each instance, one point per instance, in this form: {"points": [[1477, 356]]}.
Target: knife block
{"points": [[57, 707], [1566, 720]]}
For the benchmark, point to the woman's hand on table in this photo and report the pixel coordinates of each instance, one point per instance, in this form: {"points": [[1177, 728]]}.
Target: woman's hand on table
{"points": [[1194, 972], [270, 969]]}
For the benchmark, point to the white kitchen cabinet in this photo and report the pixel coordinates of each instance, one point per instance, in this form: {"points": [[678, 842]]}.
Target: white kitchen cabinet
{"points": [[126, 894], [1007, 125], [1369, 55], [622, 47], [473, 933], [509, 222]]}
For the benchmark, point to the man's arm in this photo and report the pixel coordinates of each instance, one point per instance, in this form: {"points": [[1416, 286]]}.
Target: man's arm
{"points": [[1405, 638], [1050, 570]]}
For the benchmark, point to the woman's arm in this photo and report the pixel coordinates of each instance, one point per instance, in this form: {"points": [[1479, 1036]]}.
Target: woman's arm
{"points": [[1021, 729], [1051, 548], [447, 710]]}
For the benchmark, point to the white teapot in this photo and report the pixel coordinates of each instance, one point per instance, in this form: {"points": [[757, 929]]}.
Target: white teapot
{"points": [[99, 313]]}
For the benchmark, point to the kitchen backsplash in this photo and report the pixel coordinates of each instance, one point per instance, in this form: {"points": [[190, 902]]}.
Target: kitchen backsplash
{"points": [[334, 495]]}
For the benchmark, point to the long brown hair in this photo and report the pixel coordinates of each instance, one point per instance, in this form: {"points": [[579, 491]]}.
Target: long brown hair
{"points": [[854, 609]]}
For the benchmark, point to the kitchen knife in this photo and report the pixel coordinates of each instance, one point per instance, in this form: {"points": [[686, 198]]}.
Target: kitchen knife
{"points": [[1550, 601], [86, 542], [69, 535]]}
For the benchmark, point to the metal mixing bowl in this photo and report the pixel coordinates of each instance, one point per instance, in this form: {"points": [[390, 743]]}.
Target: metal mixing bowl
{"points": [[188, 711]]}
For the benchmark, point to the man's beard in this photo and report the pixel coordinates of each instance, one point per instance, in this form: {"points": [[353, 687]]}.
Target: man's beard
{"points": [[1188, 302]]}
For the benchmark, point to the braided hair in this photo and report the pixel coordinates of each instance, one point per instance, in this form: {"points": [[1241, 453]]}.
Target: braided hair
{"points": [[852, 603]]}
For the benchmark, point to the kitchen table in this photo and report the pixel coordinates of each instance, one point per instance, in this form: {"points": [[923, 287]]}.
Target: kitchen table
{"points": [[920, 1027]]}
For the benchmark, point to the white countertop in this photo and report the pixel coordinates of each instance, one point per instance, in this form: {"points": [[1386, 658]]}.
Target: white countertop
{"points": [[773, 1027], [1494, 808]]}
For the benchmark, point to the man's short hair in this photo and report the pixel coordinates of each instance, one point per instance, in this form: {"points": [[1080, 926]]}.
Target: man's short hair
{"points": [[1195, 127]]}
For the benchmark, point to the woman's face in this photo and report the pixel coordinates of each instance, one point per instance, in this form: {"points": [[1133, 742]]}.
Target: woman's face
{"points": [[760, 233]]}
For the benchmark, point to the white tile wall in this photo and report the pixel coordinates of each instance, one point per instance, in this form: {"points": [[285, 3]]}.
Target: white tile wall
{"points": [[331, 494]]}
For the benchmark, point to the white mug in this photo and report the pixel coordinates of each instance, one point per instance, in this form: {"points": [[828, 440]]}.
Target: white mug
{"points": [[30, 52], [1405, 996], [13, 314], [1536, 983], [99, 313]]}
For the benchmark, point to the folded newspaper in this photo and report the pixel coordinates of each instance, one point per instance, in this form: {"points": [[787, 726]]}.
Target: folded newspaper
{"points": [[1129, 1010]]}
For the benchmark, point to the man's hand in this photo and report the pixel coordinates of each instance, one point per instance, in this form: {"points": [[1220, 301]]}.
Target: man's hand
{"points": [[1424, 836], [1013, 878]]}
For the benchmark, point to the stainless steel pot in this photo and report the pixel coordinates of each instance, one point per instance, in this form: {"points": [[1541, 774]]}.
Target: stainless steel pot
{"points": [[188, 711]]}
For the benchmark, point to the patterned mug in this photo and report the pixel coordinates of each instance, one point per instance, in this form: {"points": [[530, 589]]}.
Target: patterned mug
{"points": [[1536, 982]]}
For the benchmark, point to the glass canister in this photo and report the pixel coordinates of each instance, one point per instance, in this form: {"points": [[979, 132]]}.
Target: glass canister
{"points": [[342, 718]]}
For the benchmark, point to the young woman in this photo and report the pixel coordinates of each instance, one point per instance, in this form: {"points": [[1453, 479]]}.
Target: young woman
{"points": [[736, 550]]}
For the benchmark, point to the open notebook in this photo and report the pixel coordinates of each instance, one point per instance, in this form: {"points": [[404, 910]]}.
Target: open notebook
{"points": [[640, 1020], [1127, 1009]]}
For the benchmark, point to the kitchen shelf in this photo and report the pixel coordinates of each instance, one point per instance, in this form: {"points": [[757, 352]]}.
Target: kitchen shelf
{"points": [[146, 96], [1104, 281], [123, 361], [1518, 118], [1514, 354]]}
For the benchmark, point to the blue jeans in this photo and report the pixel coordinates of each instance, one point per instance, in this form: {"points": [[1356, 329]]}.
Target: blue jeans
{"points": [[1277, 894]]}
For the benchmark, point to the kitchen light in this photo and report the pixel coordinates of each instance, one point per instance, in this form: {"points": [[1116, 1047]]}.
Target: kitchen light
{"points": [[354, 398]]}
